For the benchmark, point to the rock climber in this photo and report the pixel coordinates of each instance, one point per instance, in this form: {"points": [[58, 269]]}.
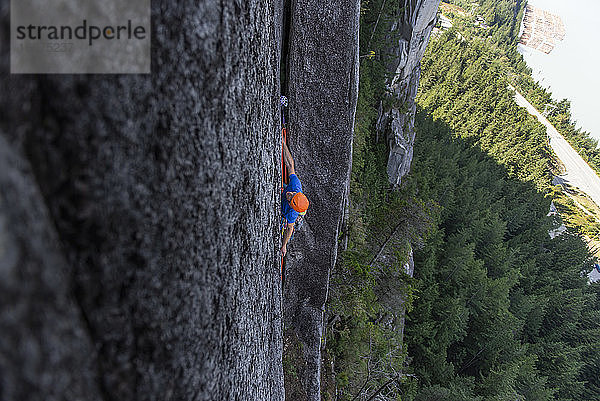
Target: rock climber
{"points": [[293, 201]]}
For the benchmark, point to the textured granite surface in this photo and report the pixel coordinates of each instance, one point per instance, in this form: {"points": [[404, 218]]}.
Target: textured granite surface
{"points": [[162, 191], [44, 335], [323, 86], [414, 27]]}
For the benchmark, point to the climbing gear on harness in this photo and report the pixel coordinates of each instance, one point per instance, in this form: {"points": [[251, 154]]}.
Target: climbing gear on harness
{"points": [[297, 224]]}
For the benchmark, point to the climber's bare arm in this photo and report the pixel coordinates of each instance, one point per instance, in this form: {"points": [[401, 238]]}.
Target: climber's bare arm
{"points": [[288, 160], [289, 229]]}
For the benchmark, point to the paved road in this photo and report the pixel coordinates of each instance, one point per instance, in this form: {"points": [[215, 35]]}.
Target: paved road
{"points": [[577, 172]]}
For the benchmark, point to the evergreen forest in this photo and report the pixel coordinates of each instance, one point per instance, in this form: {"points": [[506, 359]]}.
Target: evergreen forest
{"points": [[497, 309]]}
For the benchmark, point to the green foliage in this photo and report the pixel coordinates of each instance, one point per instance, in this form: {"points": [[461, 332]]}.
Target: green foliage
{"points": [[504, 16], [368, 299], [578, 212], [362, 338], [500, 26], [464, 84], [559, 114], [293, 363], [501, 305], [376, 34], [497, 309]]}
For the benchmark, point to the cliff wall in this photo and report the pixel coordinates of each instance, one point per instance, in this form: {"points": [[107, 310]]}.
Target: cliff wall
{"points": [[322, 81], [139, 218], [411, 30], [139, 214], [323, 89]]}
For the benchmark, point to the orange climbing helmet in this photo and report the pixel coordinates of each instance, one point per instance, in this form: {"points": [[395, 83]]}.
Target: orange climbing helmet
{"points": [[299, 202]]}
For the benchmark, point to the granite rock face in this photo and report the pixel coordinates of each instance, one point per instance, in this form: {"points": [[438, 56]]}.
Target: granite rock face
{"points": [[163, 193], [139, 214], [44, 335], [323, 87], [413, 29]]}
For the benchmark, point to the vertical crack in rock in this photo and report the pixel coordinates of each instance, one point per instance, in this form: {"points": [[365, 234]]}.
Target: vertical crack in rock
{"points": [[322, 86], [414, 26], [285, 21]]}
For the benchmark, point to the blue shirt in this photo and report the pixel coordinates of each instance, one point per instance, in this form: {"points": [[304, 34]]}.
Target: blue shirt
{"points": [[286, 210]]}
